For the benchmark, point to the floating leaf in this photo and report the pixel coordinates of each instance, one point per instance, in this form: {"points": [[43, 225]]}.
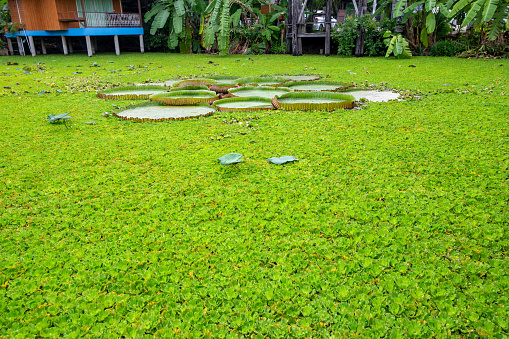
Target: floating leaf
{"points": [[309, 101], [54, 118], [329, 86], [260, 91], [156, 111], [262, 81], [231, 158], [282, 160], [131, 92], [243, 104], [185, 98]]}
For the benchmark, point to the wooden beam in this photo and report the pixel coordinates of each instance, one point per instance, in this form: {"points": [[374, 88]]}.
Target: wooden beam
{"points": [[89, 45], [328, 14], [83, 13], [64, 45], [289, 30], [117, 46], [139, 11]]}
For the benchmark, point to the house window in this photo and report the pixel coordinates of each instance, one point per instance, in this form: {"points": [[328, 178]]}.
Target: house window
{"points": [[98, 6]]}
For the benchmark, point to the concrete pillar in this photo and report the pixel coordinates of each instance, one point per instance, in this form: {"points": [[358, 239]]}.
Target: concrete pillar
{"points": [[69, 46], [94, 44], [142, 45], [9, 46], [43, 46], [89, 46], [64, 45], [20, 46], [32, 45], [117, 46]]}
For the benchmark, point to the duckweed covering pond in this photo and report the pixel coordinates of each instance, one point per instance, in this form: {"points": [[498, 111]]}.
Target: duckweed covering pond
{"points": [[393, 223]]}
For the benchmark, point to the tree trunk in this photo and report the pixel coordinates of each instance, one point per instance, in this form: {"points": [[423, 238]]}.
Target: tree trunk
{"points": [[359, 42]]}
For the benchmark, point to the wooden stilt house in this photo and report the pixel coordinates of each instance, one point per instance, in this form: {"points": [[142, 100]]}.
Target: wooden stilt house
{"points": [[67, 19], [299, 25]]}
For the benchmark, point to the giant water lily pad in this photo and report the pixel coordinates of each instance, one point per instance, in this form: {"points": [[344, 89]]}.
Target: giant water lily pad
{"points": [[184, 98], [282, 160], [371, 95], [260, 91], [302, 86], [131, 93], [244, 104], [158, 112], [167, 83], [261, 81], [195, 82], [307, 77], [222, 79], [230, 159], [309, 101]]}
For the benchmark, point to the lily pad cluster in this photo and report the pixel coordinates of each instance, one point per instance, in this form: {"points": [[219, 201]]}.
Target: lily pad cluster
{"points": [[302, 92]]}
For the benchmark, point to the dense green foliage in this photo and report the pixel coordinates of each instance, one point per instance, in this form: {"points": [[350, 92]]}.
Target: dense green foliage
{"points": [[393, 223]]}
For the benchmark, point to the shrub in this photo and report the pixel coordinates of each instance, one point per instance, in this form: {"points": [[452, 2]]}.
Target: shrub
{"points": [[347, 32], [447, 48]]}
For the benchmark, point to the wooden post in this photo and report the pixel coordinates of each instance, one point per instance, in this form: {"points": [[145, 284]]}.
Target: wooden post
{"points": [[295, 17], [89, 45], [69, 43], [142, 44], [20, 46], [289, 29], [328, 14], [43, 46], [32, 45], [64, 45], [139, 12], [117, 46], [9, 46], [83, 12]]}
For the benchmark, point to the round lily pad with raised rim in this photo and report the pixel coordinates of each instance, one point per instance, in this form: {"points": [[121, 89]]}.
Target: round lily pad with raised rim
{"points": [[305, 86], [154, 111], [309, 101], [167, 83], [372, 95], [259, 91], [302, 77], [262, 81], [190, 88], [243, 104], [131, 92], [221, 79], [184, 98], [194, 82]]}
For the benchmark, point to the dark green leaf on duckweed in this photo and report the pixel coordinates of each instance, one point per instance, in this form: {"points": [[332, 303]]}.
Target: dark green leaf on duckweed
{"points": [[282, 160], [55, 118], [229, 159]]}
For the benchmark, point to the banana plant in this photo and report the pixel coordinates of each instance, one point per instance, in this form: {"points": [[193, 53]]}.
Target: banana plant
{"points": [[183, 16], [267, 27], [222, 15], [396, 44], [494, 13]]}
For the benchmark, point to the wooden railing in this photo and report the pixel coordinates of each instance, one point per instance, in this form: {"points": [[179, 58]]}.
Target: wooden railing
{"points": [[101, 19]]}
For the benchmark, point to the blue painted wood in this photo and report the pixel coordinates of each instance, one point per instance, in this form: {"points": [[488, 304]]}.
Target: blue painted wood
{"points": [[92, 31]]}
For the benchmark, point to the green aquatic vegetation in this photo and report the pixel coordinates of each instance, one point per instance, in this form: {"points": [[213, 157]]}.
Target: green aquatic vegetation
{"points": [[393, 223]]}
